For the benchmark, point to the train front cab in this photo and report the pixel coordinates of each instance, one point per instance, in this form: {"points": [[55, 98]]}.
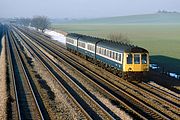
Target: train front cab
{"points": [[136, 63]]}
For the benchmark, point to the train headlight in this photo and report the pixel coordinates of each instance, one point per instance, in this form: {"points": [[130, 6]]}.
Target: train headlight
{"points": [[130, 69]]}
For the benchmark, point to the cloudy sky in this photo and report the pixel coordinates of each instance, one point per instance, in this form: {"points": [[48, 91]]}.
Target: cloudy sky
{"points": [[84, 8]]}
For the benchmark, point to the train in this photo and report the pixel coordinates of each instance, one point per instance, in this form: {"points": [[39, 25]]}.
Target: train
{"points": [[125, 60]]}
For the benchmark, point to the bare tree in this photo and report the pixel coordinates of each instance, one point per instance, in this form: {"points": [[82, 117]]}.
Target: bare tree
{"points": [[23, 21], [119, 37], [34, 22], [40, 22]]}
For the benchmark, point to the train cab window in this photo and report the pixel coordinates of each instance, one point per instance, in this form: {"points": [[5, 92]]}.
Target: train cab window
{"points": [[129, 59], [136, 58], [144, 58]]}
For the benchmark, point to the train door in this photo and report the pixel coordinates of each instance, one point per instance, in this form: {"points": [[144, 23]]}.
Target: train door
{"points": [[128, 62]]}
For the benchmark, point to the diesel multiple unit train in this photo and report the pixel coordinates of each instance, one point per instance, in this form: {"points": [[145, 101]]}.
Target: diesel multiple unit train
{"points": [[122, 59]]}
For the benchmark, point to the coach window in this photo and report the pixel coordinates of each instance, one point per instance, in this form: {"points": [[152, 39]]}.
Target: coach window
{"points": [[144, 58], [81, 44], [136, 58], [116, 56], [110, 54], [93, 48], [97, 50], [104, 51], [107, 52], [88, 47], [70, 41], [129, 59], [119, 58]]}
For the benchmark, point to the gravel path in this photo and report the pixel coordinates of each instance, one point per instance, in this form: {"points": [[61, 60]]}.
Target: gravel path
{"points": [[3, 93]]}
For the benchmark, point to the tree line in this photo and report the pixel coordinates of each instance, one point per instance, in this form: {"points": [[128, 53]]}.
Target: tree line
{"points": [[42, 23], [38, 22]]}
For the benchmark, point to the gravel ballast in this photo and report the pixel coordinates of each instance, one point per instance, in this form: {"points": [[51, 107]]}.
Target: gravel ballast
{"points": [[3, 92]]}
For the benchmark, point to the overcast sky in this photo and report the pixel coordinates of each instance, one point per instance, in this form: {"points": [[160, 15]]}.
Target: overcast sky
{"points": [[84, 8]]}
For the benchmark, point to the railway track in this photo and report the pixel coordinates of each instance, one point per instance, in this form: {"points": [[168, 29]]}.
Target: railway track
{"points": [[169, 96], [173, 99], [154, 114], [32, 54], [15, 110], [164, 90], [87, 104], [27, 104], [161, 99], [112, 97]]}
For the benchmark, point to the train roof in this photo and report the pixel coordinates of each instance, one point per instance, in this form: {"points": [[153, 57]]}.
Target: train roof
{"points": [[74, 35], [89, 39], [115, 46], [84, 38], [121, 47]]}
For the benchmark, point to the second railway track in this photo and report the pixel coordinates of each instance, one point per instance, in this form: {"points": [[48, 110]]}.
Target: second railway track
{"points": [[27, 104]]}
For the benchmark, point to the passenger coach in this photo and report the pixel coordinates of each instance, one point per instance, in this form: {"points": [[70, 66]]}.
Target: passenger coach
{"points": [[121, 58], [71, 41], [87, 46]]}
